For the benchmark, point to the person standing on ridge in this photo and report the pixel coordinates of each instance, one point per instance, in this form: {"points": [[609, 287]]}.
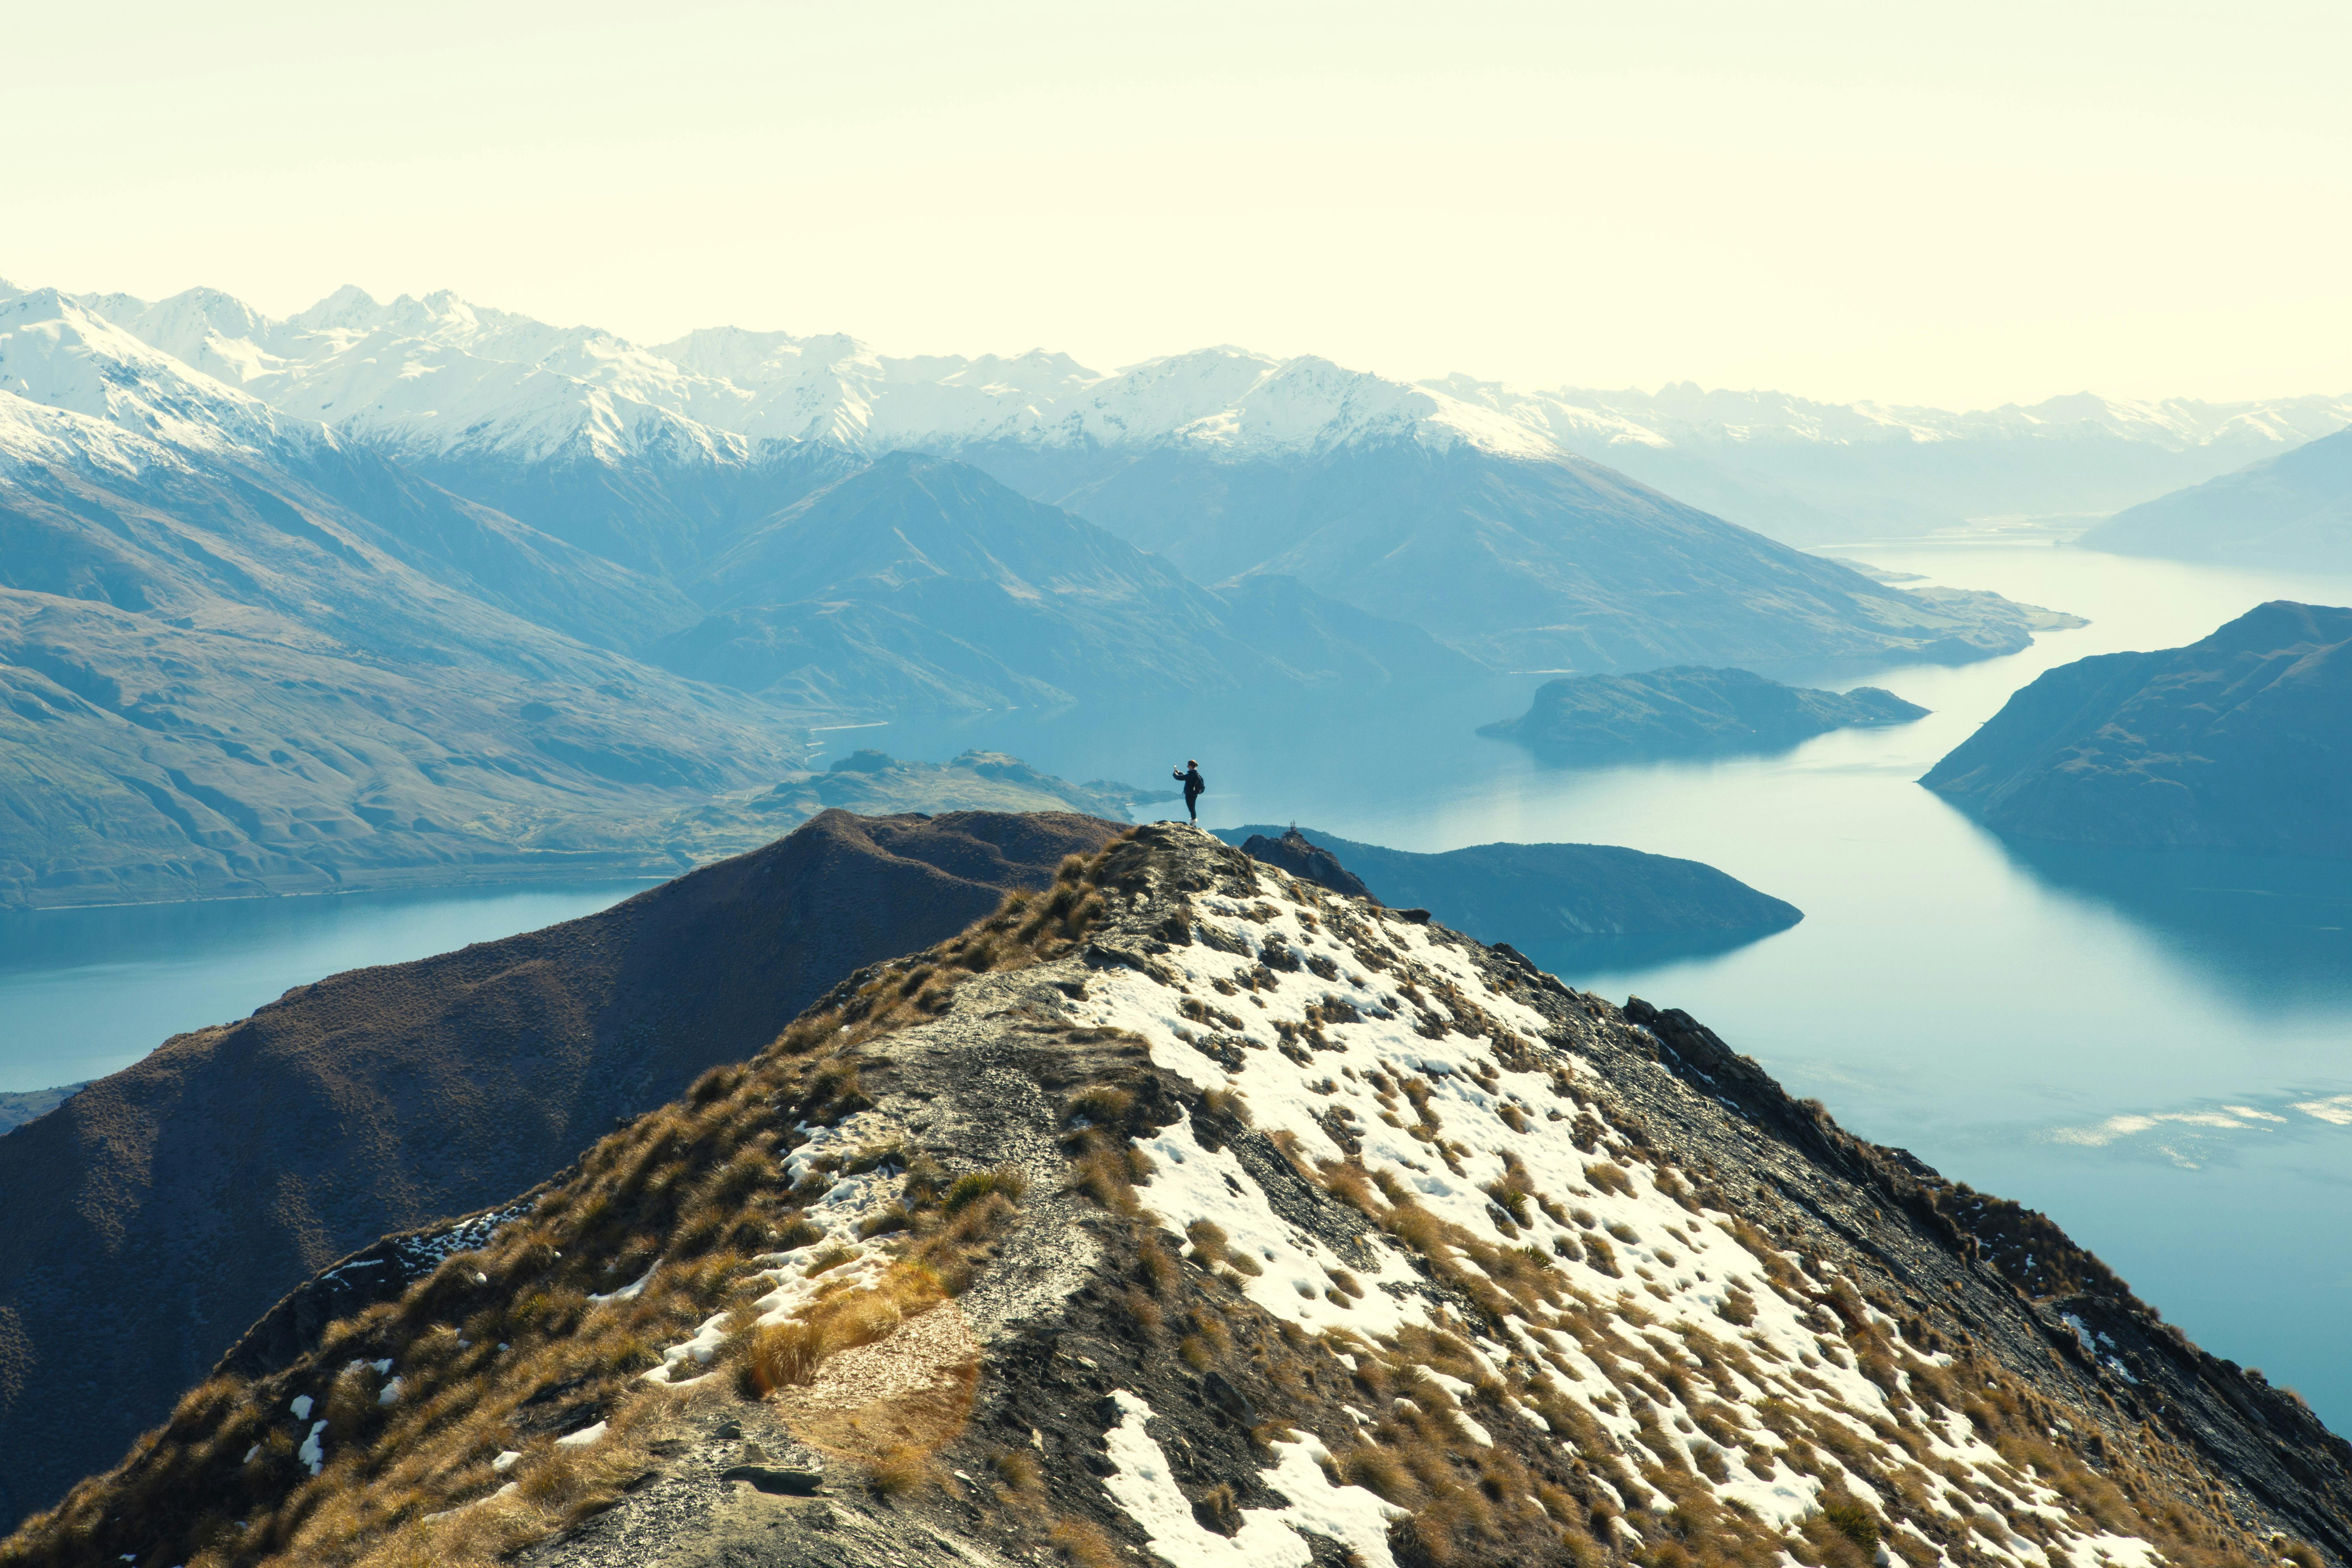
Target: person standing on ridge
{"points": [[1188, 775]]}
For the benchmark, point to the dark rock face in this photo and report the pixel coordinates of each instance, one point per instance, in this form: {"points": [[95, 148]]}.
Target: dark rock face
{"points": [[2242, 741], [1689, 712], [158, 1212], [1295, 854], [1537, 893]]}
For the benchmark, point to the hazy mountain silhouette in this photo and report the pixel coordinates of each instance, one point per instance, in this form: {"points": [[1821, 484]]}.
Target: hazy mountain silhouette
{"points": [[2294, 510]]}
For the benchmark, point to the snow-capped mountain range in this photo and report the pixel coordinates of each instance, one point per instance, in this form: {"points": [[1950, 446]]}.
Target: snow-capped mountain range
{"points": [[439, 376], [552, 586], [442, 376]]}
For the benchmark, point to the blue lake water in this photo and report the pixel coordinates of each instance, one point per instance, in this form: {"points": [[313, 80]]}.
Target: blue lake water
{"points": [[85, 991], [2154, 1049]]}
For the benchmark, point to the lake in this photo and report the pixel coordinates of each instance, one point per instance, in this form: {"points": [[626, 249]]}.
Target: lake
{"points": [[86, 992], [2154, 1049], [2157, 1050]]}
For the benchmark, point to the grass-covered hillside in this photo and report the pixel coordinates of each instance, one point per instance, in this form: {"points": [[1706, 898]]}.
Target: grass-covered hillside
{"points": [[1187, 1213]]}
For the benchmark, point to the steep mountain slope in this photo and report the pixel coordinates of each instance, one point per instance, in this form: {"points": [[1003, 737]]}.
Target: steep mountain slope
{"points": [[2242, 741], [916, 583], [2293, 510], [1406, 501], [161, 1210], [1524, 561], [1687, 711], [1194, 1214], [1542, 894]]}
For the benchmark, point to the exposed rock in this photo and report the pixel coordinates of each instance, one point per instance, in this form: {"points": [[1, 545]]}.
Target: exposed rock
{"points": [[1610, 1296], [2242, 741], [1687, 711], [1295, 854]]}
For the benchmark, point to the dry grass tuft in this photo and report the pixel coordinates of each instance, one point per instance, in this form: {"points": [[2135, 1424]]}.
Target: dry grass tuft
{"points": [[903, 1471], [1010, 1181], [1082, 1542]]}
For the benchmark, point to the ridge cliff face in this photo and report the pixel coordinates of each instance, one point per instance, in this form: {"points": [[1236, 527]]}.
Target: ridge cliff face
{"points": [[1192, 1213]]}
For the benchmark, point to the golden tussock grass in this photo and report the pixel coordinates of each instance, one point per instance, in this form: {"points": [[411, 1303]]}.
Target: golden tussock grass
{"points": [[687, 1192]]}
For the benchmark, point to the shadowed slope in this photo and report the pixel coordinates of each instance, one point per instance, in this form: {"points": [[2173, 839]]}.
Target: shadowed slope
{"points": [[156, 1214], [2241, 740]]}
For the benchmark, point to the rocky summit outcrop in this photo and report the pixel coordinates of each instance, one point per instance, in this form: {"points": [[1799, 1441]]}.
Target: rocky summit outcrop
{"points": [[1536, 894], [1302, 856], [2242, 741], [154, 1215], [1194, 1214], [1687, 711]]}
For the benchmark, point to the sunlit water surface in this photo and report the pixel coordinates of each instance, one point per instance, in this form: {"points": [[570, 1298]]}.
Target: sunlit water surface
{"points": [[2154, 1049]]}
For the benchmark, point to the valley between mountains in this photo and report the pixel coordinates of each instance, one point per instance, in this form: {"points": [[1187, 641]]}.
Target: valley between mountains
{"points": [[388, 595], [1184, 1211]]}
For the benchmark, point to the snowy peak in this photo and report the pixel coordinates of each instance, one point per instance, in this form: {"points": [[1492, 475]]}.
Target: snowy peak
{"points": [[441, 373], [349, 308], [216, 333], [759, 360], [56, 353], [1240, 403]]}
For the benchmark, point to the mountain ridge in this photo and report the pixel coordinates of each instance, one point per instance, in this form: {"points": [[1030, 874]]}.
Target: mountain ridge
{"points": [[2293, 510], [175, 1200], [1070, 1261], [1740, 452]]}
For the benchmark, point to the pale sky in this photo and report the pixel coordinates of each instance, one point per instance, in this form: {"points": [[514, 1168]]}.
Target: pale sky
{"points": [[1961, 205]]}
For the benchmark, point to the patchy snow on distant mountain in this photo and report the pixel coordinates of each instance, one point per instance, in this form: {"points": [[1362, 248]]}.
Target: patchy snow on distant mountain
{"points": [[448, 378], [1683, 414]]}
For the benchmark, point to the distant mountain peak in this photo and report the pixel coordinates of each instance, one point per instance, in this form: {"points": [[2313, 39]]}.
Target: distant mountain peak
{"points": [[346, 308], [56, 352], [437, 373]]}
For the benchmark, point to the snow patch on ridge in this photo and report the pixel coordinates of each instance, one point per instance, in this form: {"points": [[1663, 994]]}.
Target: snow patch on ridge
{"points": [[1144, 1487], [1676, 1266]]}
